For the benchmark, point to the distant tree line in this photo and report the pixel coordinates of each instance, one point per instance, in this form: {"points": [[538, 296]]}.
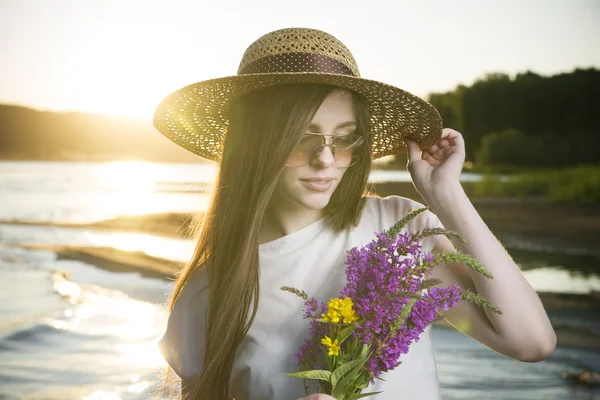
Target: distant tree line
{"points": [[530, 120], [27, 134]]}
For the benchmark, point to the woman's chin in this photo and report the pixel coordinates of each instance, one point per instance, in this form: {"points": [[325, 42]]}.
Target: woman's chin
{"points": [[316, 201]]}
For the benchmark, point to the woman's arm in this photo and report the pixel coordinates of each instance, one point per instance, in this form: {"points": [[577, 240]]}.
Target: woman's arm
{"points": [[523, 330]]}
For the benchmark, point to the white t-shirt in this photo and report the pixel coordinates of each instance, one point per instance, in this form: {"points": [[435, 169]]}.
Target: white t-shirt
{"points": [[311, 259]]}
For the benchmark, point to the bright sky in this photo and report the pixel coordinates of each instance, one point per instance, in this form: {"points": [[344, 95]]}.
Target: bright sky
{"points": [[122, 57]]}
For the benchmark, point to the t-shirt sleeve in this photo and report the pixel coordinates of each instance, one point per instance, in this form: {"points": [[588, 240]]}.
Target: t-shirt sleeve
{"points": [[183, 343], [391, 209]]}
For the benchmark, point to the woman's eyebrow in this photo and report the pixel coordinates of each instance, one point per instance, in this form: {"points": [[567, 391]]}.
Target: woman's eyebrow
{"points": [[318, 127]]}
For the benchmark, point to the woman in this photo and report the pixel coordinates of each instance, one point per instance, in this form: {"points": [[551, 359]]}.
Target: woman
{"points": [[295, 132]]}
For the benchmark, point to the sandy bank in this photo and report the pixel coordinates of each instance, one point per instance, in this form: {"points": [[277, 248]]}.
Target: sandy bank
{"points": [[114, 260]]}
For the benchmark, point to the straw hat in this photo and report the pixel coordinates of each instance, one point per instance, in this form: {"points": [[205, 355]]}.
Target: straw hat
{"points": [[195, 117]]}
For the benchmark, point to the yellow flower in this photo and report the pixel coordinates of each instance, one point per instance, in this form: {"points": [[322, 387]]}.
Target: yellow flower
{"points": [[332, 315], [333, 347], [338, 309], [349, 315], [337, 303]]}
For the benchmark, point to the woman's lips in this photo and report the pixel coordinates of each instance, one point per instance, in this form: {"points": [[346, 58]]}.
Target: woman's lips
{"points": [[317, 185]]}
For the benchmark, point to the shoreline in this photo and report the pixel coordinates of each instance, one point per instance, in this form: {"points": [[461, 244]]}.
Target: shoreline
{"points": [[117, 261], [560, 228], [533, 220], [570, 228]]}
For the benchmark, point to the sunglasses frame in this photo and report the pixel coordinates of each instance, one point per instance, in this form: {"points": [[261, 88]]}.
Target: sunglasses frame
{"points": [[317, 150]]}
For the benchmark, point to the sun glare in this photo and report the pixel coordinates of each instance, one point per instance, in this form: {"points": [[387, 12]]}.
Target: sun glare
{"points": [[131, 183], [130, 176], [113, 69]]}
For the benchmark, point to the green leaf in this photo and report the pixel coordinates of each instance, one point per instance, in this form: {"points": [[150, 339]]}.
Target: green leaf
{"points": [[429, 283], [360, 396], [343, 369], [439, 231], [297, 292], [324, 321], [398, 322], [455, 257], [365, 351], [479, 300], [397, 227], [345, 332], [348, 377], [313, 374]]}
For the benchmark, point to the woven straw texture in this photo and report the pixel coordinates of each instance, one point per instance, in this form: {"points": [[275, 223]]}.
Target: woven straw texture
{"points": [[195, 117]]}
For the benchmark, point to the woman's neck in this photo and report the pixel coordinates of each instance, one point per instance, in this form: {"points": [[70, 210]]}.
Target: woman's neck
{"points": [[280, 221]]}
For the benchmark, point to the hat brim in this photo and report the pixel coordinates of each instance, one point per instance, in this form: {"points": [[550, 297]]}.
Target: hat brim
{"points": [[195, 117]]}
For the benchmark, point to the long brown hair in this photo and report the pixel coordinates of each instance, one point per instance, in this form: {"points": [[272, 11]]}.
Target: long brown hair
{"points": [[264, 128]]}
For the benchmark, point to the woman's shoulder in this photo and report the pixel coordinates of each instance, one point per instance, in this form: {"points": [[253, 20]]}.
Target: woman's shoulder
{"points": [[181, 344], [386, 211], [196, 284], [394, 201]]}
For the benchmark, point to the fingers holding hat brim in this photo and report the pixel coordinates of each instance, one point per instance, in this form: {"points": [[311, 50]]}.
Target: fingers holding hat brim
{"points": [[413, 150]]}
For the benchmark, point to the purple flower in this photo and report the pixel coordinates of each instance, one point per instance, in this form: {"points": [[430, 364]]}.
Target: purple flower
{"points": [[378, 278], [308, 353], [422, 314], [311, 310], [376, 275]]}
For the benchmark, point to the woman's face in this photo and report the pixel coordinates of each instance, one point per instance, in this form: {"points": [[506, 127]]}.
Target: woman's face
{"points": [[310, 186]]}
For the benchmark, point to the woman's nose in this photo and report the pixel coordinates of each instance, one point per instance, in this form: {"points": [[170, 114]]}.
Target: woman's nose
{"points": [[324, 158]]}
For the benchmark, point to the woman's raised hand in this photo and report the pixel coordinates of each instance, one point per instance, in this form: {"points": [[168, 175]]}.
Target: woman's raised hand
{"points": [[438, 166]]}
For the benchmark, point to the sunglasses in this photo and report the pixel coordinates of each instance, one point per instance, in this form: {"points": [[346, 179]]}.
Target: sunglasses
{"points": [[311, 145]]}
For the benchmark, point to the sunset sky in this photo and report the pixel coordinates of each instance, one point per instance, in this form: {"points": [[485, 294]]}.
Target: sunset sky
{"points": [[122, 57]]}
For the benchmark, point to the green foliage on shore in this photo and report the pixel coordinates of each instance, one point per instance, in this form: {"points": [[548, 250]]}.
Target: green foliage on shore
{"points": [[513, 147], [571, 185], [547, 111]]}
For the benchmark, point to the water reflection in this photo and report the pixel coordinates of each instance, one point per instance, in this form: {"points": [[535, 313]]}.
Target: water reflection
{"points": [[134, 322], [129, 176], [102, 395], [578, 266], [558, 280]]}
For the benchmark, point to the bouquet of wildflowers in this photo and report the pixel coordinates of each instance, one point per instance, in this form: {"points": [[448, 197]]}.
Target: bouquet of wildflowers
{"points": [[387, 302]]}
